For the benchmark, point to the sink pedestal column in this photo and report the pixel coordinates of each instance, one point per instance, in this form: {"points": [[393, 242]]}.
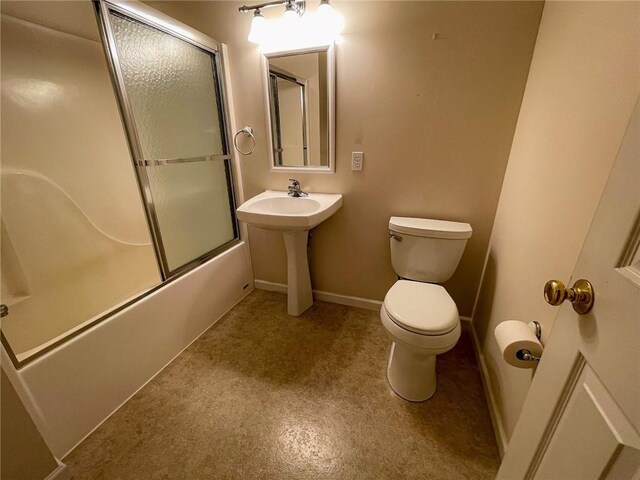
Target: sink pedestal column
{"points": [[299, 296]]}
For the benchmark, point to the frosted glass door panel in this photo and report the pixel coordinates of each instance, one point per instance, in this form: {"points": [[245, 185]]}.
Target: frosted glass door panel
{"points": [[171, 87], [193, 208], [171, 90], [292, 122]]}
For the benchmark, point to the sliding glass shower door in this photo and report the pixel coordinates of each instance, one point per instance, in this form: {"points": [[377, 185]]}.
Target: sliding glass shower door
{"points": [[76, 247], [171, 97]]}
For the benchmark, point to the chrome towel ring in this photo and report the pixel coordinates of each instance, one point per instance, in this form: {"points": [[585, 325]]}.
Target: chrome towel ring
{"points": [[248, 131]]}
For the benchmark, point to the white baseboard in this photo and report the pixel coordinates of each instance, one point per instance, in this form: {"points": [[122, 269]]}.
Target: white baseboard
{"points": [[60, 473], [270, 286], [339, 299], [494, 413], [323, 296]]}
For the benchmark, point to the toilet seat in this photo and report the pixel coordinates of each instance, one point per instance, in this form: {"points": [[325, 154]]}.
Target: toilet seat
{"points": [[423, 344], [421, 308]]}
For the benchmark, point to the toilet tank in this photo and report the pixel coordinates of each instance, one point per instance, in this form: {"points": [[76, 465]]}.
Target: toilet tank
{"points": [[427, 250]]}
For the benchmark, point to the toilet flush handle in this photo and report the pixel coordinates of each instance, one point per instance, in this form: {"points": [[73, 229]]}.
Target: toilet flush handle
{"points": [[395, 236]]}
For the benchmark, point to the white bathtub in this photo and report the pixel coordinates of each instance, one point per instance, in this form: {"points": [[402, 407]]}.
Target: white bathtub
{"points": [[71, 390]]}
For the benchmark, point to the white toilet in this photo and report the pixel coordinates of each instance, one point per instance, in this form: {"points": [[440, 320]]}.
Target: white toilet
{"points": [[419, 314]]}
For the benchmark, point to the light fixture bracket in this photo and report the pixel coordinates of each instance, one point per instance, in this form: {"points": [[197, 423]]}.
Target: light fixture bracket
{"points": [[298, 6]]}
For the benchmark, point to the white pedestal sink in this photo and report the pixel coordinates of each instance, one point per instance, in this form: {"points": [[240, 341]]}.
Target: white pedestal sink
{"points": [[294, 217]]}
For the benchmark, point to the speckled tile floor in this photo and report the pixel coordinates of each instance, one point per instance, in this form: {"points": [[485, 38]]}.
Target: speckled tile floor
{"points": [[265, 395]]}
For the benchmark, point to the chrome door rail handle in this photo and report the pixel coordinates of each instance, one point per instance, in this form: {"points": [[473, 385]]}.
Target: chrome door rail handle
{"points": [[171, 161]]}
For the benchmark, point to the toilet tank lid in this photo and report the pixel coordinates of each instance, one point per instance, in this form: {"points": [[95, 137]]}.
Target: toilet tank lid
{"points": [[424, 227]]}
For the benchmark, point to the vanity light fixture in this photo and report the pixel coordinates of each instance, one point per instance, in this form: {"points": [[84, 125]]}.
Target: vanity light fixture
{"points": [[297, 28]]}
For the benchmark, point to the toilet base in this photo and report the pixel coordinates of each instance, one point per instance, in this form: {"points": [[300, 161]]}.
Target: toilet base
{"points": [[411, 373]]}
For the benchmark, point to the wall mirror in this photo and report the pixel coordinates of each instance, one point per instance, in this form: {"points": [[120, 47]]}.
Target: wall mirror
{"points": [[299, 91]]}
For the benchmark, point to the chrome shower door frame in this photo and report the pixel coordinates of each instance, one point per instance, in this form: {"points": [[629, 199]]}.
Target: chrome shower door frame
{"points": [[276, 133], [151, 17]]}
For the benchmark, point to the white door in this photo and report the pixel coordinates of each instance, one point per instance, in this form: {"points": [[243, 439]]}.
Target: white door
{"points": [[581, 417]]}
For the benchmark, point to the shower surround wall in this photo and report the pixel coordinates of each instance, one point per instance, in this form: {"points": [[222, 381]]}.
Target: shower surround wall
{"points": [[70, 390], [75, 241], [434, 118]]}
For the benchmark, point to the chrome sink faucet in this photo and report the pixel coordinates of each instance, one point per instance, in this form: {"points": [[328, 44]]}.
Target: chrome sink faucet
{"points": [[294, 189]]}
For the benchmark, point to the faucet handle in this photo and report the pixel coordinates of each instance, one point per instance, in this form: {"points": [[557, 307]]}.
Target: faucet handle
{"points": [[294, 189]]}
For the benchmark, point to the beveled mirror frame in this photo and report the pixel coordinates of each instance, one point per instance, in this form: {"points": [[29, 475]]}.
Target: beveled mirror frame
{"points": [[331, 114]]}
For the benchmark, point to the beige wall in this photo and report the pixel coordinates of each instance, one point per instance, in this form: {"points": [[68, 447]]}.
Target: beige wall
{"points": [[435, 119], [25, 456], [583, 84]]}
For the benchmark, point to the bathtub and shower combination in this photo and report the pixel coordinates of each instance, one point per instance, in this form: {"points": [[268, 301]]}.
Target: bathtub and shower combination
{"points": [[119, 238]]}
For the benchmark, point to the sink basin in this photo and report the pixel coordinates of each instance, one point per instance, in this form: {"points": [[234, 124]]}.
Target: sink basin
{"points": [[273, 210]]}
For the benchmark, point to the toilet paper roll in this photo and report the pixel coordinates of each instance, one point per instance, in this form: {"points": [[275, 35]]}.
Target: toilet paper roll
{"points": [[514, 335]]}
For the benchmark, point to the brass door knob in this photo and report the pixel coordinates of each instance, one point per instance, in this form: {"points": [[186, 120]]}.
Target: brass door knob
{"points": [[580, 295]]}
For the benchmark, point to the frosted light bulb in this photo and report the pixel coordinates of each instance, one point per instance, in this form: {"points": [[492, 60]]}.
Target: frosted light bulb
{"points": [[331, 18], [258, 28], [289, 17], [290, 26]]}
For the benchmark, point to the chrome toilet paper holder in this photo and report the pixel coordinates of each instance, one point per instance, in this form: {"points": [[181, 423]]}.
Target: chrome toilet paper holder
{"points": [[523, 353]]}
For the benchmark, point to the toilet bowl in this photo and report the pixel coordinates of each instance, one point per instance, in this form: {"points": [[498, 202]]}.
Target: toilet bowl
{"points": [[419, 315], [422, 321]]}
